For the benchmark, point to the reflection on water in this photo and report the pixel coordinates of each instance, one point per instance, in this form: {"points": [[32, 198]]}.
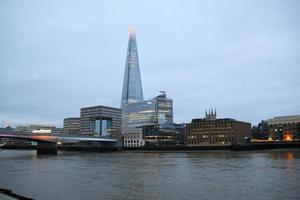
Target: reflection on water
{"points": [[290, 156], [157, 175]]}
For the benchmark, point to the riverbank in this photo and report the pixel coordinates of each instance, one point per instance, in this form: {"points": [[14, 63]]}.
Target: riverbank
{"points": [[9, 195], [239, 147]]}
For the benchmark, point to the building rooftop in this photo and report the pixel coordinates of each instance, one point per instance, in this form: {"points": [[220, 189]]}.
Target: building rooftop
{"points": [[100, 106], [284, 119], [207, 120], [72, 118]]}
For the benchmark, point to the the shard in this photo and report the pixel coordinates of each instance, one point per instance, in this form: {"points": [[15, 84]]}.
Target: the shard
{"points": [[132, 85]]}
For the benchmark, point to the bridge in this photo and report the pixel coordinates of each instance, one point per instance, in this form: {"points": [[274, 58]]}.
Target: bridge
{"points": [[47, 144]]}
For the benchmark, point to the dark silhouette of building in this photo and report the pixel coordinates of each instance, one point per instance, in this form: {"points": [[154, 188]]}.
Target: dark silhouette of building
{"points": [[261, 131]]}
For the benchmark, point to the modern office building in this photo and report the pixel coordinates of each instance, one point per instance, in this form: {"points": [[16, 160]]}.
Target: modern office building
{"points": [[164, 109], [284, 127], [154, 112], [139, 115], [145, 115], [132, 85], [72, 126], [101, 121], [164, 135], [218, 132]]}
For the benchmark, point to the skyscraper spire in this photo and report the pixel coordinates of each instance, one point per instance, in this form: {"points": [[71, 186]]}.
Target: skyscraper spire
{"points": [[132, 85]]}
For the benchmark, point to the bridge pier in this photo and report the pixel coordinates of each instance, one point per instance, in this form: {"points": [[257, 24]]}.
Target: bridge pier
{"points": [[46, 148]]}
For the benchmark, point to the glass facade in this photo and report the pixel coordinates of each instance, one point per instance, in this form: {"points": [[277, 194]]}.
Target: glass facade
{"points": [[101, 126], [154, 112], [135, 111], [140, 114], [164, 107], [132, 85]]}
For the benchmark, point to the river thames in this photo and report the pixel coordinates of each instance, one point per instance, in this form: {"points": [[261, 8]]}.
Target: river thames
{"points": [[268, 174]]}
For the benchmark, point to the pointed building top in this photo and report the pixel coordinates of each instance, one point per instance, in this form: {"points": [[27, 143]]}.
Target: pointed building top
{"points": [[132, 85], [131, 31]]}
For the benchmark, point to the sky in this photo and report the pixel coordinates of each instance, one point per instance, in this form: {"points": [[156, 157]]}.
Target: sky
{"points": [[240, 57]]}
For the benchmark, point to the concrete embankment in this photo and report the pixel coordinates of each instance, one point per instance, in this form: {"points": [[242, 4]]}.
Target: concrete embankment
{"points": [[239, 147], [265, 145]]}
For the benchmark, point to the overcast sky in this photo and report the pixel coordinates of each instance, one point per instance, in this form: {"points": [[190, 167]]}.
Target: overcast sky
{"points": [[242, 57]]}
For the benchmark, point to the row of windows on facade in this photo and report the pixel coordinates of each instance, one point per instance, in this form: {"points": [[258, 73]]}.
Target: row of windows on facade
{"points": [[211, 139], [72, 126], [135, 119], [142, 114], [210, 132], [288, 129], [284, 124], [132, 133], [93, 112], [127, 136], [133, 145], [206, 138], [132, 141], [210, 125], [211, 129], [208, 142], [210, 135]]}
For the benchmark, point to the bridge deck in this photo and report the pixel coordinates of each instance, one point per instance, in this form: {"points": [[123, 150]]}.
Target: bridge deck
{"points": [[54, 138]]}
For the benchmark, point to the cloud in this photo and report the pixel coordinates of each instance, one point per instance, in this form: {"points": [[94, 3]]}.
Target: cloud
{"points": [[240, 57]]}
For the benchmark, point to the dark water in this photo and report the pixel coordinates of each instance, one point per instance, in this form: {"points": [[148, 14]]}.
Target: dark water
{"points": [[270, 174]]}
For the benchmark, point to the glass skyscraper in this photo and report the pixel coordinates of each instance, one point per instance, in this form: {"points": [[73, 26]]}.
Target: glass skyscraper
{"points": [[132, 85], [135, 111]]}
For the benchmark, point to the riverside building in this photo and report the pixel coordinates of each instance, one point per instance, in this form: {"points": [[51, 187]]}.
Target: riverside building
{"points": [[72, 125], [101, 121], [211, 131], [284, 127], [133, 137], [132, 85], [154, 114], [139, 114]]}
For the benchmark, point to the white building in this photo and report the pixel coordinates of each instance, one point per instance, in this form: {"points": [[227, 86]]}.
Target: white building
{"points": [[133, 137]]}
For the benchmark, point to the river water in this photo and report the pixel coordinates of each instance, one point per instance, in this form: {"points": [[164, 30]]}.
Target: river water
{"points": [[268, 174]]}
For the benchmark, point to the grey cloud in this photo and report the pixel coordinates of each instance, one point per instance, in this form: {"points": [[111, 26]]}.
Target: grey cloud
{"points": [[240, 57]]}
